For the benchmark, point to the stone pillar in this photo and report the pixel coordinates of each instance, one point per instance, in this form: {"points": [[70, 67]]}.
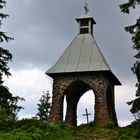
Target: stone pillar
{"points": [[56, 114], [111, 104], [101, 112], [71, 114], [74, 86], [99, 87]]}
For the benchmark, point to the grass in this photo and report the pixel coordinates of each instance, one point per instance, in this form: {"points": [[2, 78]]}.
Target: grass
{"points": [[42, 130]]}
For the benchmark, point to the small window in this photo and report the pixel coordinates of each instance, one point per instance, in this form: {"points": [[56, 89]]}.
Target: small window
{"points": [[83, 30], [84, 23]]}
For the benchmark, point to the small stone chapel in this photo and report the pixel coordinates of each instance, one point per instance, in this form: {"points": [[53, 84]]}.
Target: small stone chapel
{"points": [[82, 67]]}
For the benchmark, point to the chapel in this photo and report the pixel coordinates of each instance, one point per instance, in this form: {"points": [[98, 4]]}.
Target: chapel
{"points": [[83, 67]]}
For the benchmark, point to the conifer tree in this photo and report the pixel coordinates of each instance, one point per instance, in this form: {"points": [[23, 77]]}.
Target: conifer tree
{"points": [[134, 30], [8, 103], [44, 106], [5, 55]]}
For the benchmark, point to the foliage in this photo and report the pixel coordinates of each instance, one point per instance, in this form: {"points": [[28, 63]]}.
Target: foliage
{"points": [[44, 106], [127, 135], [130, 4], [134, 30], [8, 103], [136, 125], [108, 124], [29, 129], [5, 55]]}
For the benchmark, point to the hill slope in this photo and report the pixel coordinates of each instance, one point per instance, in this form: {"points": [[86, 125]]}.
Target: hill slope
{"points": [[42, 130]]}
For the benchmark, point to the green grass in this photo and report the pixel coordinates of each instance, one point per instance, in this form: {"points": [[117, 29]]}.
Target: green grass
{"points": [[42, 130]]}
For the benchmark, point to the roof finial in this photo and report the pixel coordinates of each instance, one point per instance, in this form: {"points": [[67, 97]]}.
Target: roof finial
{"points": [[86, 8]]}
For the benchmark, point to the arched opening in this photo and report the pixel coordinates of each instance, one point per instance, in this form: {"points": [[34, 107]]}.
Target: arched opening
{"points": [[87, 101], [64, 107], [73, 93], [111, 104]]}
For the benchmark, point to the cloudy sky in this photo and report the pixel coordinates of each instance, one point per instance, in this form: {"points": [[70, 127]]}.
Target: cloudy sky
{"points": [[42, 30]]}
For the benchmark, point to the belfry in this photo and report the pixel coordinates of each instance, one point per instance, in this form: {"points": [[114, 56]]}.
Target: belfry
{"points": [[82, 67]]}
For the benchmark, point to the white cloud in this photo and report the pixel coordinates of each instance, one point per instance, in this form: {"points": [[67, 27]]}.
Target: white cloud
{"points": [[124, 94], [29, 84]]}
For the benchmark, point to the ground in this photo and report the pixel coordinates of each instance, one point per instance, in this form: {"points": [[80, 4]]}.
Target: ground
{"points": [[42, 130]]}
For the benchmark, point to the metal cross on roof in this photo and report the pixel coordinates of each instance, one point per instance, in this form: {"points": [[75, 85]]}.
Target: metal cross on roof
{"points": [[87, 114], [86, 8]]}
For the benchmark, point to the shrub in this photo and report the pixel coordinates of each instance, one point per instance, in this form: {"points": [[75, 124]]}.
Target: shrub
{"points": [[92, 125], [136, 125], [127, 134], [108, 124], [15, 136]]}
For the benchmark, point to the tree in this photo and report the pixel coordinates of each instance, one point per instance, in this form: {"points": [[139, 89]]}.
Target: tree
{"points": [[134, 30], [44, 106], [8, 103], [5, 55]]}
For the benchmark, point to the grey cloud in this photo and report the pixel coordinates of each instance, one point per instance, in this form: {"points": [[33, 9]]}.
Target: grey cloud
{"points": [[43, 30]]}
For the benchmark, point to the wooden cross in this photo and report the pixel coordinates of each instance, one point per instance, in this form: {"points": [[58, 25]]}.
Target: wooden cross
{"points": [[87, 114]]}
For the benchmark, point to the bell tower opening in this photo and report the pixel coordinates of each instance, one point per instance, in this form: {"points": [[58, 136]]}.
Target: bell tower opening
{"points": [[85, 26], [86, 22], [87, 101]]}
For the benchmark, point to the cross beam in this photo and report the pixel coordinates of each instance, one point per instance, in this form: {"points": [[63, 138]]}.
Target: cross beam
{"points": [[87, 114]]}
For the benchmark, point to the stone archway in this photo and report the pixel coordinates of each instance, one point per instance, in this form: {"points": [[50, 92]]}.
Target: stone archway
{"points": [[73, 93], [74, 86]]}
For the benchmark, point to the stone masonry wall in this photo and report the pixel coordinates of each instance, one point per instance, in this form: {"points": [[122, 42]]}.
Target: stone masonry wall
{"points": [[99, 83]]}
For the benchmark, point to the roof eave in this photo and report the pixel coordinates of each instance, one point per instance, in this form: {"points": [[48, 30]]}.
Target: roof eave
{"points": [[113, 78], [82, 18]]}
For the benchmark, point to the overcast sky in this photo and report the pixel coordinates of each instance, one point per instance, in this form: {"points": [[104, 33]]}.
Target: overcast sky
{"points": [[42, 30]]}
